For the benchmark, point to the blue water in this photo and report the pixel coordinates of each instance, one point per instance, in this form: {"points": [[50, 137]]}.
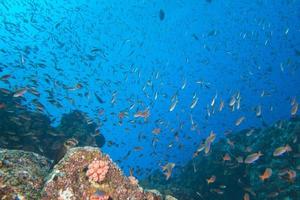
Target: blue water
{"points": [[123, 50]]}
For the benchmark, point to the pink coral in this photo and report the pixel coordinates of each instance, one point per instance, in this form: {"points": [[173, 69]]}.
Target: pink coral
{"points": [[97, 170]]}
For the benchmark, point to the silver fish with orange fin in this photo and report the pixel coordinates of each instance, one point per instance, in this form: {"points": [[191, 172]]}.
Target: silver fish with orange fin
{"points": [[252, 157], [168, 169], [294, 109], [239, 120], [281, 150]]}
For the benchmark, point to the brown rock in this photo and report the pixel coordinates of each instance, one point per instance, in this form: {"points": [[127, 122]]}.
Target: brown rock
{"points": [[68, 179]]}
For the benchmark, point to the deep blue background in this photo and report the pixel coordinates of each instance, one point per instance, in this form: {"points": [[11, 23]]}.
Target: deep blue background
{"points": [[234, 46]]}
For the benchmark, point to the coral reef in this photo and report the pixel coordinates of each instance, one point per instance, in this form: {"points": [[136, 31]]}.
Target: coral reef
{"points": [[21, 174], [233, 177]]}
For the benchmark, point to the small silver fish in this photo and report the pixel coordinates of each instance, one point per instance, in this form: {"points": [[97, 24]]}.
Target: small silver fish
{"points": [[173, 105], [194, 102]]}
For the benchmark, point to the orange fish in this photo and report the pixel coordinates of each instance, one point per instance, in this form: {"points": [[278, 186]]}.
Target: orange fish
{"points": [[211, 179], [266, 174], [292, 174], [200, 148], [209, 141], [207, 147], [250, 190], [168, 168], [143, 114], [211, 137], [121, 115], [226, 157], [156, 131]]}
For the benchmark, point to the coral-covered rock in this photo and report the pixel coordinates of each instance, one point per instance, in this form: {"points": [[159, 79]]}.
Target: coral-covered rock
{"points": [[70, 179], [22, 174]]}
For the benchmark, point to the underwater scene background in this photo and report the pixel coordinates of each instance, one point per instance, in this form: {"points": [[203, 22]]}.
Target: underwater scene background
{"points": [[196, 99]]}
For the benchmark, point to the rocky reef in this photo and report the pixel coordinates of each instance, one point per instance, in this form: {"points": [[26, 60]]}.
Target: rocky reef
{"points": [[26, 175], [224, 173], [38, 161], [69, 179], [22, 174]]}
